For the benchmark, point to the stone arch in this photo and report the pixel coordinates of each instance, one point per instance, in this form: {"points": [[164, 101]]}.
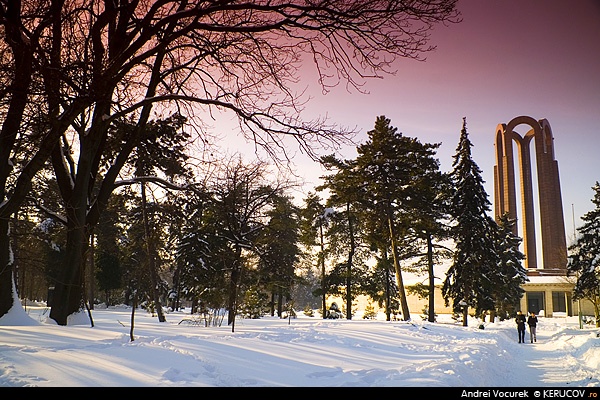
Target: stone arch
{"points": [[551, 213]]}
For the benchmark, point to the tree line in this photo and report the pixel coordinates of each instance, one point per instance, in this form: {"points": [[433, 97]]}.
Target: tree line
{"points": [[240, 242], [398, 208], [84, 81], [103, 101]]}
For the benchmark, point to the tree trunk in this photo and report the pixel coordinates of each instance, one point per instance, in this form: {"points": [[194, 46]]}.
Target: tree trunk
{"points": [[349, 266], [322, 261], [6, 272], [388, 311], [399, 280], [194, 306], [131, 337], [68, 293], [91, 276], [431, 311], [151, 264], [280, 304], [233, 287]]}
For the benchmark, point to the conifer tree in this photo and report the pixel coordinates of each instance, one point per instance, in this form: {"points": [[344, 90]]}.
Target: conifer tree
{"points": [[108, 269], [583, 257], [429, 216], [511, 273], [313, 225], [395, 170], [279, 251], [346, 239], [202, 255], [470, 279]]}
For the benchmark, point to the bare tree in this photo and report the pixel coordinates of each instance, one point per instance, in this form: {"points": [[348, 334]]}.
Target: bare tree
{"points": [[70, 69], [243, 196]]}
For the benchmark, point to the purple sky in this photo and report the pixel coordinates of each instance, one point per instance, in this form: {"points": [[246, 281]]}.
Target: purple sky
{"points": [[507, 58]]}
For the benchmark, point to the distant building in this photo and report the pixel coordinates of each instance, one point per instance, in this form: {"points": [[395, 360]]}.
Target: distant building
{"points": [[549, 291]]}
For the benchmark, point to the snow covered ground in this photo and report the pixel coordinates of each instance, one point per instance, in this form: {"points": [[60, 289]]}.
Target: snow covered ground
{"points": [[301, 352]]}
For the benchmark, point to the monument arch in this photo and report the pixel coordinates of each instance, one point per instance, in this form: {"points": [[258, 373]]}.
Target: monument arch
{"points": [[554, 248]]}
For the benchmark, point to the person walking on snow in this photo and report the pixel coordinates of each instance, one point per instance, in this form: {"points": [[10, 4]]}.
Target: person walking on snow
{"points": [[532, 322], [521, 326]]}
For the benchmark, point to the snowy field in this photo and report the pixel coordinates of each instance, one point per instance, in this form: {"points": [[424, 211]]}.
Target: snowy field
{"points": [[301, 352]]}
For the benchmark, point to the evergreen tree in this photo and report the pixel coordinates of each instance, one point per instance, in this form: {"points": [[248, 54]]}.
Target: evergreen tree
{"points": [[28, 253], [345, 231], [314, 222], [583, 258], [109, 274], [51, 236], [162, 148], [136, 258], [509, 289], [429, 216], [470, 279], [109, 234], [395, 170], [278, 248], [203, 258], [381, 285]]}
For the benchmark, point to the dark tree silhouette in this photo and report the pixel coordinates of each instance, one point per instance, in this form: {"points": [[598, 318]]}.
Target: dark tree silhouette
{"points": [[74, 68]]}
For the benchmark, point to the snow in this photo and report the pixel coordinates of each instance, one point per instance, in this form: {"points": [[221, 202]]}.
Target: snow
{"points": [[300, 352]]}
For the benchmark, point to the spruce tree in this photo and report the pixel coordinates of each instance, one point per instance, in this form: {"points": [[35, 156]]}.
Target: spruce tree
{"points": [[470, 279], [583, 258], [511, 273]]}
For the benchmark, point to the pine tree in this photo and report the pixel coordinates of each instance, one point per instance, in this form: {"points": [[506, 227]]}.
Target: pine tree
{"points": [[202, 256], [313, 225], [396, 172], [470, 279], [344, 231], [583, 258], [429, 224]]}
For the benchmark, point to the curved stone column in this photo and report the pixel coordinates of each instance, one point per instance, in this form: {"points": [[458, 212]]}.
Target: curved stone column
{"points": [[551, 213]]}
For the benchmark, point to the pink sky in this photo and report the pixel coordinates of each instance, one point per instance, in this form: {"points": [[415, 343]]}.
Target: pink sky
{"points": [[507, 58]]}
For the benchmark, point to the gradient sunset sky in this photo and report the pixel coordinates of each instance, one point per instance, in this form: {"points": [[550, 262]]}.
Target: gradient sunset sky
{"points": [[507, 58]]}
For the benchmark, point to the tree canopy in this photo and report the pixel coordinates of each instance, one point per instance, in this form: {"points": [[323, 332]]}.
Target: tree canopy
{"points": [[583, 259], [470, 279], [71, 70]]}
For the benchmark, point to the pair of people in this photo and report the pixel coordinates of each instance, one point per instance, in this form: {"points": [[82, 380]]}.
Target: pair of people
{"points": [[531, 321]]}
